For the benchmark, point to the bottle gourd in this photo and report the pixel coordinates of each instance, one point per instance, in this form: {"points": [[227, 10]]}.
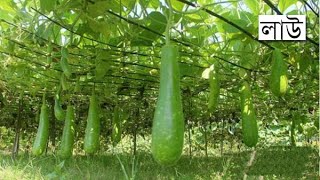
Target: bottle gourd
{"points": [[214, 84], [278, 79], [92, 132], [67, 140], [168, 122], [42, 136], [58, 111], [249, 122], [116, 127]]}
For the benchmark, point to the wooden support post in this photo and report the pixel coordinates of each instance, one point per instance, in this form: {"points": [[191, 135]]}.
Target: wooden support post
{"points": [[77, 124], [221, 142], [189, 138], [15, 149], [135, 132], [205, 141], [292, 133], [249, 164], [189, 116]]}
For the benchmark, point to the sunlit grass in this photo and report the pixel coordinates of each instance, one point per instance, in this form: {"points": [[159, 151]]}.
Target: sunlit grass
{"points": [[271, 163]]}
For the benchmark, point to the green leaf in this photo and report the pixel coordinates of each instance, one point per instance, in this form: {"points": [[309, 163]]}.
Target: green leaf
{"points": [[284, 4], [154, 21], [177, 5], [100, 27], [129, 4], [47, 6], [154, 3], [101, 69], [253, 5], [6, 9], [100, 8]]}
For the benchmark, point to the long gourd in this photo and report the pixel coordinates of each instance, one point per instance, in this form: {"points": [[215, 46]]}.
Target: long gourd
{"points": [[67, 139], [168, 122], [249, 122], [64, 62], [214, 84], [92, 133], [116, 127], [58, 111], [278, 79], [41, 140]]}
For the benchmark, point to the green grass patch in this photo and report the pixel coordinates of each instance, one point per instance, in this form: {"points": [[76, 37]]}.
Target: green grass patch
{"points": [[271, 163]]}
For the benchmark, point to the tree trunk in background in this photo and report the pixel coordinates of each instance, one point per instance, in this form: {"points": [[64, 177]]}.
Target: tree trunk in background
{"points": [[15, 149]]}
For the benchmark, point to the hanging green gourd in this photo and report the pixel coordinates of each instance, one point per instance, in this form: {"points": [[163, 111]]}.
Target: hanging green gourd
{"points": [[278, 79], [214, 84], [67, 140], [116, 126], [248, 115], [41, 139], [64, 62], [58, 111], [168, 122], [92, 132]]}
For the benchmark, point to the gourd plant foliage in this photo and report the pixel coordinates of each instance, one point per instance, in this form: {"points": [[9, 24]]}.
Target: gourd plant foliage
{"points": [[115, 46]]}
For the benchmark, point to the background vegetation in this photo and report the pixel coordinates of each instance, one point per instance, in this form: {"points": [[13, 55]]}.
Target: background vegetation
{"points": [[114, 47]]}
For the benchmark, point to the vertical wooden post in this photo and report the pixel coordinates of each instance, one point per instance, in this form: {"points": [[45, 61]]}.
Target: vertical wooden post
{"points": [[135, 132], [215, 135], [15, 149], [77, 124], [221, 142], [292, 133], [138, 98], [189, 139], [205, 140], [189, 116], [134, 142]]}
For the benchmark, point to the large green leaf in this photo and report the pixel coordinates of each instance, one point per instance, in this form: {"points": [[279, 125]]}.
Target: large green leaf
{"points": [[156, 22], [6, 10], [100, 8], [253, 5], [47, 5], [284, 4], [129, 4], [177, 5]]}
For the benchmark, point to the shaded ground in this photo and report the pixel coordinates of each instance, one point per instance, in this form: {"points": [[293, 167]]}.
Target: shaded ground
{"points": [[269, 163]]}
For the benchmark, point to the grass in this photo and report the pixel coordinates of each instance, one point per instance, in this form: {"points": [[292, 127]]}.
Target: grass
{"points": [[271, 163]]}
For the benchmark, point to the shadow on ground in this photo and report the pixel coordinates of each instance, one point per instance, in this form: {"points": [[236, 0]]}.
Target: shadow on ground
{"points": [[286, 162]]}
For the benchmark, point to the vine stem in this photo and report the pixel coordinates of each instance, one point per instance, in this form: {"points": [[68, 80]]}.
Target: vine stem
{"points": [[169, 23], [44, 98]]}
